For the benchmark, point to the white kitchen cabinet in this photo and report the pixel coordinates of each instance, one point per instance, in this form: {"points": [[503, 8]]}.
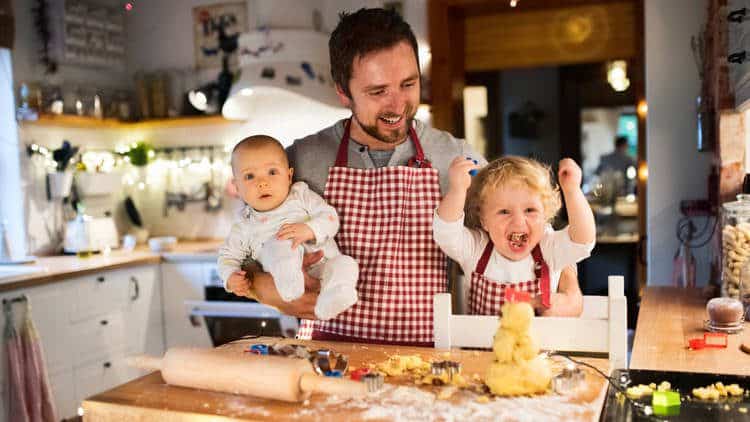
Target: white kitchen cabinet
{"points": [[64, 392], [88, 325], [102, 374], [183, 281]]}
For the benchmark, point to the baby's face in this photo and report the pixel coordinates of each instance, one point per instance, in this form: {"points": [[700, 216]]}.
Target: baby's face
{"points": [[262, 176], [513, 215]]}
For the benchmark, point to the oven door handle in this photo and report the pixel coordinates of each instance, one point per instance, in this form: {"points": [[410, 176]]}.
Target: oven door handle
{"points": [[217, 309], [204, 308]]}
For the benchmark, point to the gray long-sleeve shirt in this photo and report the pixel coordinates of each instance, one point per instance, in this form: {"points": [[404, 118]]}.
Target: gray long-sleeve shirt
{"points": [[313, 155]]}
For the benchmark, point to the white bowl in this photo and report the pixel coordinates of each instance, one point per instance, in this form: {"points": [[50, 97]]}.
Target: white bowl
{"points": [[160, 244]]}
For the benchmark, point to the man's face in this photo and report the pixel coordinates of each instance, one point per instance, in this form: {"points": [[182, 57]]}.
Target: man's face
{"points": [[384, 91], [262, 177]]}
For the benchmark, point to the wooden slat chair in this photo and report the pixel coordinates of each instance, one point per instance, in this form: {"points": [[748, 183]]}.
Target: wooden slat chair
{"points": [[601, 328]]}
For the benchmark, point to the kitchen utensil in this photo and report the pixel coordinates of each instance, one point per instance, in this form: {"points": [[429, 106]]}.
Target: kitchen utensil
{"points": [[87, 234], [271, 377], [133, 214]]}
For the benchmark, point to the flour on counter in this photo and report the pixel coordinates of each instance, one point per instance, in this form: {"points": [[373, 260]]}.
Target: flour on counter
{"points": [[404, 403]]}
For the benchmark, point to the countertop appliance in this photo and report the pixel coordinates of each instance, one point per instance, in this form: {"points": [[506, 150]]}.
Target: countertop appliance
{"points": [[89, 234]]}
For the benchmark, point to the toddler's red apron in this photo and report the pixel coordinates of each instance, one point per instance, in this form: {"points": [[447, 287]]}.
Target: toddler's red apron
{"points": [[487, 296]]}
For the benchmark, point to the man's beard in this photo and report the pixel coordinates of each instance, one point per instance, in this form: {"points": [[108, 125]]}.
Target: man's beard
{"points": [[394, 136]]}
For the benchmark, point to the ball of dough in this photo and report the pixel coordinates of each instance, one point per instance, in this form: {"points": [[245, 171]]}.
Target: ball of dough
{"points": [[515, 379], [526, 349], [517, 316], [505, 342]]}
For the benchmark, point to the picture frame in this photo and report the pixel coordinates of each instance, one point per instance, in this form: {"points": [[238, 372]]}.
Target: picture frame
{"points": [[208, 21]]}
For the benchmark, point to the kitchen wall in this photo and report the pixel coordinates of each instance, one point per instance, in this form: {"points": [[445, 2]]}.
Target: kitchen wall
{"points": [[160, 38], [676, 170], [539, 86]]}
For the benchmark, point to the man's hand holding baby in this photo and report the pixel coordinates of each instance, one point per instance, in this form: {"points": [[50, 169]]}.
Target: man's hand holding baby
{"points": [[239, 284], [299, 233]]}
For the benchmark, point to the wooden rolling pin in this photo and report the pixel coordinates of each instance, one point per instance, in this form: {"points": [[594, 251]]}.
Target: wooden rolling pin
{"points": [[271, 377]]}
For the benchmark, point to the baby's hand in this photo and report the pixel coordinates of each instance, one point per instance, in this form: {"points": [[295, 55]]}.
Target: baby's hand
{"points": [[238, 284], [298, 232], [569, 174], [458, 173]]}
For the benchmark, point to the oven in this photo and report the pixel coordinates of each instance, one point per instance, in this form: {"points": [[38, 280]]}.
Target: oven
{"points": [[228, 317]]}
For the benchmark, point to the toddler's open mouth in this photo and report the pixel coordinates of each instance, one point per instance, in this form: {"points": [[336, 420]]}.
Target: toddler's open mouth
{"points": [[518, 239]]}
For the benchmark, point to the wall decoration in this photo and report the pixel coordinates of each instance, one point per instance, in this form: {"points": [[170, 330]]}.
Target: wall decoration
{"points": [[87, 33], [216, 24]]}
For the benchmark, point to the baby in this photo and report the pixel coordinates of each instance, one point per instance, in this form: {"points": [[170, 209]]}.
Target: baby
{"points": [[509, 241], [281, 221]]}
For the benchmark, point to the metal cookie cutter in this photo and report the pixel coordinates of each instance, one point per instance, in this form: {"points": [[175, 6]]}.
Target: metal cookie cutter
{"points": [[290, 350], [571, 377], [373, 381], [327, 362], [445, 366]]}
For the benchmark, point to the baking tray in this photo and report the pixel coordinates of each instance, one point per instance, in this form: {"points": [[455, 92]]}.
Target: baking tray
{"points": [[694, 410]]}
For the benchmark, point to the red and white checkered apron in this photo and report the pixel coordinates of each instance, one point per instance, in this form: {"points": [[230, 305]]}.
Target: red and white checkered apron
{"points": [[487, 296], [386, 225]]}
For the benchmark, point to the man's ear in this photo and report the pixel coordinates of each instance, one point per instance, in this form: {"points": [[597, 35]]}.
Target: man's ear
{"points": [[291, 173], [343, 96]]}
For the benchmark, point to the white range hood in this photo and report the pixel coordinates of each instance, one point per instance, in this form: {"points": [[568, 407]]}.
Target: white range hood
{"points": [[287, 72]]}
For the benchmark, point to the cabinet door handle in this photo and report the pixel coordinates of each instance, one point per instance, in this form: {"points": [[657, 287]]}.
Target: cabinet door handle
{"points": [[737, 16], [107, 364], [737, 57], [136, 289], [100, 279], [194, 321], [104, 322]]}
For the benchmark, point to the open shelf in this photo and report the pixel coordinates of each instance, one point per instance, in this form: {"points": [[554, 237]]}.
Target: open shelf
{"points": [[85, 122]]}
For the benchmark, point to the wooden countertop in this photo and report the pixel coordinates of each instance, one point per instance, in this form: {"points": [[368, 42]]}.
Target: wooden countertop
{"points": [[59, 268], [669, 317], [149, 398]]}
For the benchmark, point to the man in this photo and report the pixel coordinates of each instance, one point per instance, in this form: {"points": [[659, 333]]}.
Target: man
{"points": [[384, 173], [618, 160]]}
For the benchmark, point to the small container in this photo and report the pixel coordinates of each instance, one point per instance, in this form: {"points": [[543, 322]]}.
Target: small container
{"points": [[161, 244], [735, 243], [724, 310]]}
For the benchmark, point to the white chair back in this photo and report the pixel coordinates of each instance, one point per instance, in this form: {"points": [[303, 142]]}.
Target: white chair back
{"points": [[601, 328]]}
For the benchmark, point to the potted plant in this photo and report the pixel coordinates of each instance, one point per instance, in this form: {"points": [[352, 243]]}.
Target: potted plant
{"points": [[59, 182]]}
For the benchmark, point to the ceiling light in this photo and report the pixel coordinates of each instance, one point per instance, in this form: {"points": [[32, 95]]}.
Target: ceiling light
{"points": [[617, 75]]}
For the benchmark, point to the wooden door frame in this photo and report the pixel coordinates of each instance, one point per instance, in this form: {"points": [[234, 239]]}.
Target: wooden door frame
{"points": [[446, 30]]}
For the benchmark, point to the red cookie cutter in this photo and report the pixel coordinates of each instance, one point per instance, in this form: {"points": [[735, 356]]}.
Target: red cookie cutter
{"points": [[709, 340], [512, 295]]}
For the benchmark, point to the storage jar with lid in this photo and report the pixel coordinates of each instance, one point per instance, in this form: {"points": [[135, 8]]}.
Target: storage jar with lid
{"points": [[735, 243]]}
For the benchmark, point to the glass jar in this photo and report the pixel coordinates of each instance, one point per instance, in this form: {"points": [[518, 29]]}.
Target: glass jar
{"points": [[735, 243]]}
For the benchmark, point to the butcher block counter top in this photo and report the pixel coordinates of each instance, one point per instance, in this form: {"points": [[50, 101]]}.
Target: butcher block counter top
{"points": [[53, 269], [669, 317], [149, 398]]}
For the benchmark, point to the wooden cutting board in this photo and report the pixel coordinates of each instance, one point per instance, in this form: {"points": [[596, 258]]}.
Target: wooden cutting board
{"points": [[149, 398]]}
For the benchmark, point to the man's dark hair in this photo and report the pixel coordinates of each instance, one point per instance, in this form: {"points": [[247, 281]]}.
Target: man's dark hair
{"points": [[363, 32], [621, 141]]}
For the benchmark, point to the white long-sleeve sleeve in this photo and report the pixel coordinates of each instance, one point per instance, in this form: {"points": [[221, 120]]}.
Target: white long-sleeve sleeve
{"points": [[234, 250], [460, 243], [324, 220]]}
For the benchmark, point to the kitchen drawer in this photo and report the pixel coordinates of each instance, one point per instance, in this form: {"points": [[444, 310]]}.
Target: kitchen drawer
{"points": [[103, 374], [149, 340], [98, 294], [97, 337], [64, 393]]}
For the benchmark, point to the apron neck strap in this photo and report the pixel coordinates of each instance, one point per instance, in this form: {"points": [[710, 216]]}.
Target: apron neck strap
{"points": [[485, 258], [541, 270], [342, 155]]}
